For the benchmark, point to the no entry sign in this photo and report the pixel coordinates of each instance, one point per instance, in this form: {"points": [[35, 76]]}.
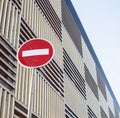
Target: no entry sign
{"points": [[35, 53]]}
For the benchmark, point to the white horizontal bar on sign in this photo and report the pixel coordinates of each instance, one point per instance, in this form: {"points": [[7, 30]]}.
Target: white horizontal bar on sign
{"points": [[35, 52]]}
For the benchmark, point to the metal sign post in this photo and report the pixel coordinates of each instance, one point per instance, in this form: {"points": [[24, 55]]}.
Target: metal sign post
{"points": [[32, 86]]}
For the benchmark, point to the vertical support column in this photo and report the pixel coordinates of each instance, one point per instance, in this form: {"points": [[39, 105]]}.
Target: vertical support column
{"points": [[1, 7], [12, 106], [4, 16], [8, 105], [3, 104], [15, 27], [8, 19], [11, 24], [0, 97]]}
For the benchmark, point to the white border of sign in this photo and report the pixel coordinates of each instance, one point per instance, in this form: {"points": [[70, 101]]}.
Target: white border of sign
{"points": [[37, 39]]}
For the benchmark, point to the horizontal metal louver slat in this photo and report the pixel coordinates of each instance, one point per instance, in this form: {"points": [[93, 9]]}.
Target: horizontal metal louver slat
{"points": [[50, 75], [101, 84], [8, 66], [51, 16], [91, 82], [69, 112], [71, 26], [53, 79], [91, 114], [116, 111], [103, 114], [53, 72], [111, 114], [5, 56], [72, 66], [74, 74], [18, 3]]}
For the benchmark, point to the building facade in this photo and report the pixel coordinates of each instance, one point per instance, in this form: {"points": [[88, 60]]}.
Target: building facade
{"points": [[72, 85]]}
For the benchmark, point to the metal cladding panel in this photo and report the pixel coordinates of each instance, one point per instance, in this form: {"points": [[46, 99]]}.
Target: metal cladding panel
{"points": [[111, 114], [69, 112], [9, 39], [6, 104], [92, 101], [7, 66], [90, 81], [88, 60], [103, 103], [110, 102], [71, 26], [74, 75], [10, 22], [116, 111], [74, 99], [92, 52], [51, 16], [32, 11], [71, 49], [57, 7], [91, 114], [47, 102], [103, 114], [101, 84], [24, 78]]}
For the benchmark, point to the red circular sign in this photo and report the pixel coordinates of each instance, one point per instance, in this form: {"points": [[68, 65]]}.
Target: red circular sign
{"points": [[35, 53]]}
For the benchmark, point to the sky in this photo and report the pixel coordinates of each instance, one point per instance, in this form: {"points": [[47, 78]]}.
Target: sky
{"points": [[101, 21]]}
